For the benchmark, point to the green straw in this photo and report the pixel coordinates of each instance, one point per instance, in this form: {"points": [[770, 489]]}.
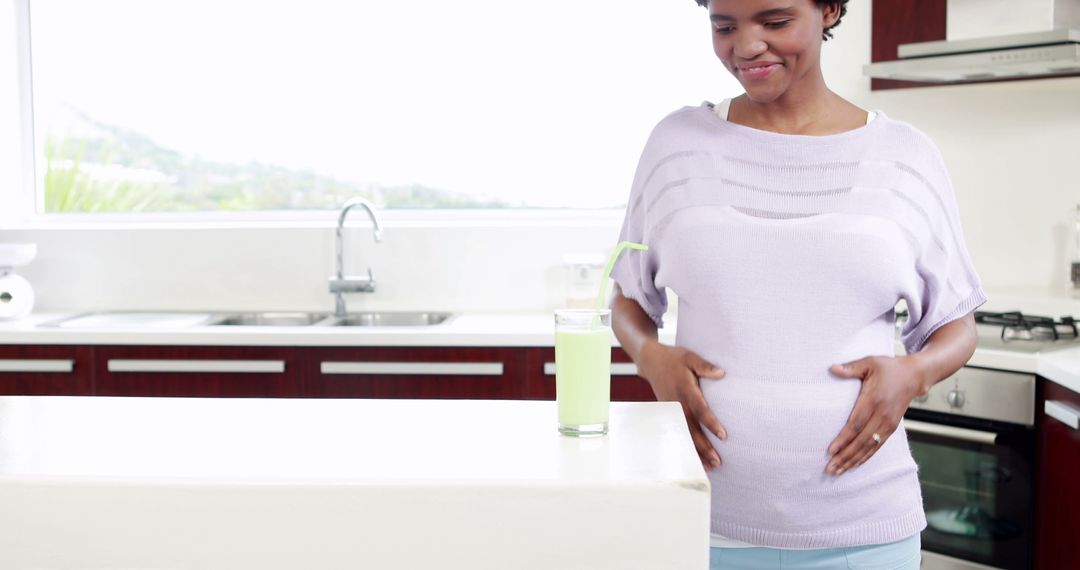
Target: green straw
{"points": [[607, 269]]}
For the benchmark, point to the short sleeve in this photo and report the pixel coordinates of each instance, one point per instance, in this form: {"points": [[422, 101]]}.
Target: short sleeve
{"points": [[945, 286], [635, 271]]}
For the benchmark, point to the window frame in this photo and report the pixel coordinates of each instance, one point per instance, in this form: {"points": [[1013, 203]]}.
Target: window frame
{"points": [[19, 184]]}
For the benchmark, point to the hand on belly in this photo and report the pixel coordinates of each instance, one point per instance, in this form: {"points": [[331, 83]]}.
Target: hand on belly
{"points": [[675, 374], [888, 385]]}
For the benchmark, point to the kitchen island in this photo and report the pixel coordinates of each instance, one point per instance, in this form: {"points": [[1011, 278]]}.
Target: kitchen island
{"points": [[100, 482]]}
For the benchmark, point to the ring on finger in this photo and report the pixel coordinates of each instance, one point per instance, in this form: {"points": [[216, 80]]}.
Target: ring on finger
{"points": [[876, 437]]}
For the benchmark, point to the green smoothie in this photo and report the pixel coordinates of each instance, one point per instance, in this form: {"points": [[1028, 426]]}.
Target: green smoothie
{"points": [[583, 360], [583, 376]]}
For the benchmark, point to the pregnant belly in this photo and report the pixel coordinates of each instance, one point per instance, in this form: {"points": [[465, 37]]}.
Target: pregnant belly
{"points": [[769, 422], [773, 471]]}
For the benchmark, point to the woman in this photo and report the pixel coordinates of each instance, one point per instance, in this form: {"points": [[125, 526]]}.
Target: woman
{"points": [[790, 222]]}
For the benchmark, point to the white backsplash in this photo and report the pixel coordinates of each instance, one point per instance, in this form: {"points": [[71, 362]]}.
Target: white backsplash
{"points": [[487, 268]]}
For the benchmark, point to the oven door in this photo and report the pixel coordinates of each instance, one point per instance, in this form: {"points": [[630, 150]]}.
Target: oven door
{"points": [[976, 478]]}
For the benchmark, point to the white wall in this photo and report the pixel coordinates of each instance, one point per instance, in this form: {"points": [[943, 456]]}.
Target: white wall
{"points": [[496, 268], [1012, 150]]}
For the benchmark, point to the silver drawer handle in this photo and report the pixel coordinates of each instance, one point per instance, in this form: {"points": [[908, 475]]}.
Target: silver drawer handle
{"points": [[977, 436], [1063, 412], [617, 369], [211, 366], [31, 365], [417, 368]]}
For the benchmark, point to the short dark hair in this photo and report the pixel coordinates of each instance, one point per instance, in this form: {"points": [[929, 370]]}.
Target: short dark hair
{"points": [[828, 31]]}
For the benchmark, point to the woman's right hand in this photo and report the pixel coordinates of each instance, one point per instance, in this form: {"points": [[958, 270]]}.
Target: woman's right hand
{"points": [[674, 374]]}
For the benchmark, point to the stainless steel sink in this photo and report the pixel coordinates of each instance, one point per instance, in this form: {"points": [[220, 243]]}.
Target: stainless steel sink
{"points": [[181, 320], [390, 319], [282, 319], [368, 319]]}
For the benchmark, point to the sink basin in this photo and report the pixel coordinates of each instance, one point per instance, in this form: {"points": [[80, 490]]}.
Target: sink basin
{"points": [[390, 319], [160, 320], [269, 319], [370, 319]]}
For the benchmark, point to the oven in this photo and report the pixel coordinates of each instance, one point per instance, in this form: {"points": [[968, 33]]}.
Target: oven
{"points": [[973, 439]]}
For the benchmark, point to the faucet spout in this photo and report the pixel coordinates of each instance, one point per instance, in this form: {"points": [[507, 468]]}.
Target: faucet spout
{"points": [[349, 205], [339, 283]]}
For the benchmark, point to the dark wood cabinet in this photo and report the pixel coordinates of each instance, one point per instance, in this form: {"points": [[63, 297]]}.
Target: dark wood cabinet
{"points": [[315, 372], [895, 23], [197, 371], [414, 372], [626, 385], [1057, 498], [46, 370]]}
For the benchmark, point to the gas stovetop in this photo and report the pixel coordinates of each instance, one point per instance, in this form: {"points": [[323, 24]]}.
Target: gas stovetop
{"points": [[1016, 332]]}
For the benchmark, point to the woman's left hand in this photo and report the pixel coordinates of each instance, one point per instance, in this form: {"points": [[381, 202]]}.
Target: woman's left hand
{"points": [[889, 384]]}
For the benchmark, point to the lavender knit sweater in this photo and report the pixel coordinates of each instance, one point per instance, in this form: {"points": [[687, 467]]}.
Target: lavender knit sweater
{"points": [[788, 254]]}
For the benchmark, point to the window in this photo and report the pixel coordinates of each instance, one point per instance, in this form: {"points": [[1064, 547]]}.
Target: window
{"points": [[211, 105]]}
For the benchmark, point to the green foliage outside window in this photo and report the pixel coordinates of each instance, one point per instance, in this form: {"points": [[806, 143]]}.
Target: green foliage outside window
{"points": [[117, 170]]}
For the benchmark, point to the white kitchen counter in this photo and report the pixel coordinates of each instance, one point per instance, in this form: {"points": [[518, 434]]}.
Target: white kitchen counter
{"points": [[1059, 366], [300, 483], [1062, 367], [470, 329]]}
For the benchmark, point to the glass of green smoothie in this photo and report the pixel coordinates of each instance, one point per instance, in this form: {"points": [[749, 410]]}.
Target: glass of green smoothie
{"points": [[583, 370]]}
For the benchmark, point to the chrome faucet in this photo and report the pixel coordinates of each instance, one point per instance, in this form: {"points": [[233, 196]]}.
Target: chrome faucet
{"points": [[339, 282]]}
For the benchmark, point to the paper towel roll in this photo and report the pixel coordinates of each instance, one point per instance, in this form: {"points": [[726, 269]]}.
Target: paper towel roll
{"points": [[16, 297]]}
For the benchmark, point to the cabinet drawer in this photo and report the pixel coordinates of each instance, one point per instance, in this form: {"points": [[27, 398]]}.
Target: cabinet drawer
{"points": [[415, 372], [46, 370], [207, 371]]}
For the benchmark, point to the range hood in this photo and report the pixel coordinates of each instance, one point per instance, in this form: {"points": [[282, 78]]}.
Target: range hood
{"points": [[993, 39], [1018, 55]]}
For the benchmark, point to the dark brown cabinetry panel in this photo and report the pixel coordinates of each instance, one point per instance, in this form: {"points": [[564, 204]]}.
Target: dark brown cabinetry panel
{"points": [[414, 372], [896, 23], [1057, 484], [197, 371], [46, 370], [339, 372]]}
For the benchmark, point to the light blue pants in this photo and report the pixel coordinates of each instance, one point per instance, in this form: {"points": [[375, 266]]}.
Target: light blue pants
{"points": [[901, 555]]}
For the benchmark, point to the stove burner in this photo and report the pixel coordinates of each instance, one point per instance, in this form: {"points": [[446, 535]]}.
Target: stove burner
{"points": [[1018, 326]]}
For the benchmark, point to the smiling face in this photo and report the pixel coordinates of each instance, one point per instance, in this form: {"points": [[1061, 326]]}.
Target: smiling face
{"points": [[770, 46]]}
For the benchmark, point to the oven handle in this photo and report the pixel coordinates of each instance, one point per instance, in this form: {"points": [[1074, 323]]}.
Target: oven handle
{"points": [[977, 436]]}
